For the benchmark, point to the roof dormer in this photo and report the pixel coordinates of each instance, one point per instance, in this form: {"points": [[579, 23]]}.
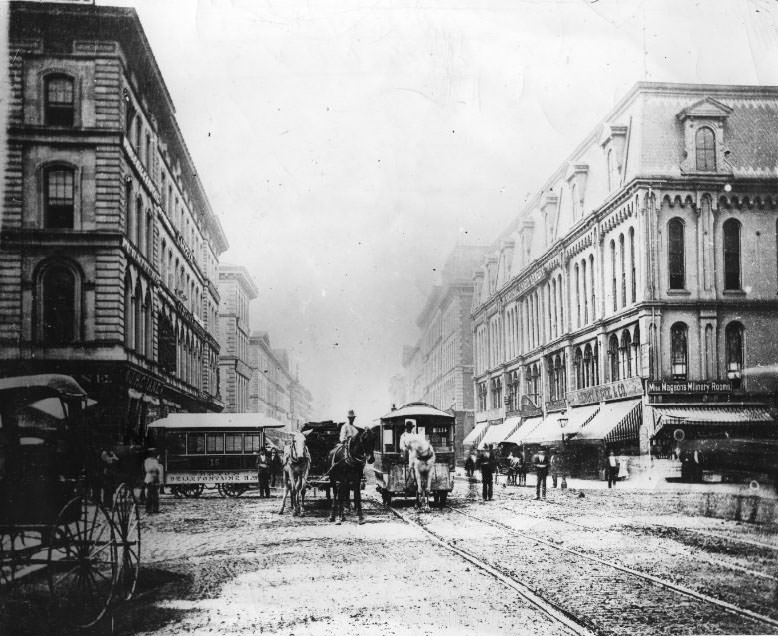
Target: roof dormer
{"points": [[703, 136], [576, 180], [549, 205], [613, 143]]}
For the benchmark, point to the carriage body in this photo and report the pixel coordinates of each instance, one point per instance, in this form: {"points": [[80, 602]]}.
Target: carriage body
{"points": [[393, 476], [213, 450], [321, 438]]}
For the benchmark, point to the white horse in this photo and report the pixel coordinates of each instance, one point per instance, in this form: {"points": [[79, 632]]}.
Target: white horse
{"points": [[297, 463], [421, 459]]}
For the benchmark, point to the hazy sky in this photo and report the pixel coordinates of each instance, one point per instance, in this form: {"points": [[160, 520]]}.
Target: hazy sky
{"points": [[347, 146]]}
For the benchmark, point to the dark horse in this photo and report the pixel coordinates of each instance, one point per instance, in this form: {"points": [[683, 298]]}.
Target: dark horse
{"points": [[347, 462]]}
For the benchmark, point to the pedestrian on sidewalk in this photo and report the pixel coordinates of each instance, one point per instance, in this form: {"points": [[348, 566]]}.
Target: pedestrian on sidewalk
{"points": [[612, 468], [555, 466], [486, 463], [152, 480], [276, 468], [470, 465], [540, 462], [522, 469], [263, 473]]}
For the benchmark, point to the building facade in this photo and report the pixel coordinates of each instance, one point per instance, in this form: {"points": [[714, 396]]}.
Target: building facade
{"points": [[438, 370], [236, 291], [109, 244], [644, 273]]}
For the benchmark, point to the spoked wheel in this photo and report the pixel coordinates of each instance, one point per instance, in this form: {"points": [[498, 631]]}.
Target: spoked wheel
{"points": [[125, 517], [220, 490], [176, 492], [82, 561], [233, 490], [193, 491]]}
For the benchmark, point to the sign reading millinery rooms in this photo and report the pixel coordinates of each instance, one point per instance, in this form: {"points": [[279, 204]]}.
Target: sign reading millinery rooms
{"points": [[690, 386], [211, 477], [628, 387]]}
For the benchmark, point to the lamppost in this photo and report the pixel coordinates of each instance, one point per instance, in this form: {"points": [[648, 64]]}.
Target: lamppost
{"points": [[562, 423]]}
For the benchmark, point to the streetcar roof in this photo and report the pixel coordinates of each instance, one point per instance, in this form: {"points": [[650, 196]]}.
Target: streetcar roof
{"points": [[62, 384], [216, 421], [417, 409]]}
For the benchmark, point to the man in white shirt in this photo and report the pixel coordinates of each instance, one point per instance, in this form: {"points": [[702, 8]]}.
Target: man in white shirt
{"points": [[612, 469], [406, 437], [153, 480], [348, 429]]}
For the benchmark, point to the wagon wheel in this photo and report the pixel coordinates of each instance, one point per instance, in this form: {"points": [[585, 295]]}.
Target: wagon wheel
{"points": [[220, 490], [192, 491], [176, 492], [82, 561], [125, 517], [233, 490]]}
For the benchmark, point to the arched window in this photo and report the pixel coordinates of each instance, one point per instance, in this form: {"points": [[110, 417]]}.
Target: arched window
{"points": [[138, 228], [128, 208], [626, 354], [58, 305], [578, 364], [675, 254], [633, 279], [583, 291], [613, 276], [596, 364], [148, 327], [731, 254], [129, 313], [623, 272], [138, 134], [705, 149], [613, 355], [577, 296], [588, 367], [678, 350], [59, 101], [138, 307], [636, 346], [59, 198], [735, 350], [561, 305], [591, 286], [149, 242], [148, 152]]}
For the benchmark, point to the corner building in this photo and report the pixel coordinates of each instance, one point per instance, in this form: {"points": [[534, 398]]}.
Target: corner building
{"points": [[109, 247], [637, 290]]}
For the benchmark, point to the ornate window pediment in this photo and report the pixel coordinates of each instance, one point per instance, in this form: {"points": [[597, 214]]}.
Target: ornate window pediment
{"points": [[703, 131]]}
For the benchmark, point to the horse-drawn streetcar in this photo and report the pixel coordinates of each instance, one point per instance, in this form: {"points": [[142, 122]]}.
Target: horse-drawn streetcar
{"points": [[52, 532], [214, 450], [393, 475]]}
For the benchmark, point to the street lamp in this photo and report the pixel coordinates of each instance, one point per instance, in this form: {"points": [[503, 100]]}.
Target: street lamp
{"points": [[562, 423]]}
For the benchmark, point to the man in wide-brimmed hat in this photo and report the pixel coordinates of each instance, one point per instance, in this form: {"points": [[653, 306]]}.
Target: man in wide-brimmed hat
{"points": [[348, 429]]}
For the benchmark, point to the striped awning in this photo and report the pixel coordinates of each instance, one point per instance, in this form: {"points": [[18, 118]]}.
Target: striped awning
{"points": [[709, 415], [498, 432], [473, 435], [528, 425], [615, 422], [548, 430]]}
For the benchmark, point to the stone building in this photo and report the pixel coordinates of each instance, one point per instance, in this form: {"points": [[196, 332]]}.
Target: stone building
{"points": [[236, 291], [109, 245], [270, 389], [638, 286], [439, 368]]}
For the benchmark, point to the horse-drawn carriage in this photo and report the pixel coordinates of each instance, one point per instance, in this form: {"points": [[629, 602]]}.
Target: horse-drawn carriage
{"points": [[321, 438], [53, 533], [210, 450], [393, 476]]}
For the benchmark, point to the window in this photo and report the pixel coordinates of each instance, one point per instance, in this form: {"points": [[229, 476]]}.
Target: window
{"points": [[633, 280], [136, 229], [626, 354], [59, 198], [591, 286], [149, 236], [214, 443], [148, 152], [138, 307], [732, 254], [613, 355], [251, 443], [675, 254], [577, 295], [734, 339], [705, 149], [58, 305], [233, 443], [167, 345], [623, 272], [148, 314], [678, 350], [129, 313], [588, 366], [59, 104], [578, 367], [613, 276], [195, 443], [496, 393], [482, 396], [128, 208]]}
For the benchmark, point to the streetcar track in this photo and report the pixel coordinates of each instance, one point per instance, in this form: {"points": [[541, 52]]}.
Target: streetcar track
{"points": [[707, 559], [680, 589], [553, 611]]}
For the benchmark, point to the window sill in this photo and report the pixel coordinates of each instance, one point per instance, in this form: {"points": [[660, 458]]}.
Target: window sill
{"points": [[678, 292], [733, 292]]}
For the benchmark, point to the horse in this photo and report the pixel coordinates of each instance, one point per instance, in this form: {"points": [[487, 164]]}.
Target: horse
{"points": [[347, 462], [297, 463], [421, 459]]}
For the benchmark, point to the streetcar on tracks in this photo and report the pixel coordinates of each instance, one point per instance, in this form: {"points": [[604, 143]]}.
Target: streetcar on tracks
{"points": [[321, 438], [53, 534], [210, 450], [393, 477]]}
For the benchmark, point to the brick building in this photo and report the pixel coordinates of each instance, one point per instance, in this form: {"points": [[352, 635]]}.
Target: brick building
{"points": [[236, 291], [109, 246], [637, 289], [439, 368]]}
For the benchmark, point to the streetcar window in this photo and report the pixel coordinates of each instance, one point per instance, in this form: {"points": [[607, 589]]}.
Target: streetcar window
{"points": [[233, 443], [195, 443], [214, 443], [175, 442], [251, 444]]}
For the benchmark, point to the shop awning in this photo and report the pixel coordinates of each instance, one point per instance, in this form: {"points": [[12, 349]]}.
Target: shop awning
{"points": [[528, 425], [499, 432], [709, 416], [477, 431], [547, 431], [615, 422]]}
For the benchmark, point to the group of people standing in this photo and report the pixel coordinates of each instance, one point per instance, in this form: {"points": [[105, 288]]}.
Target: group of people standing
{"points": [[269, 471]]}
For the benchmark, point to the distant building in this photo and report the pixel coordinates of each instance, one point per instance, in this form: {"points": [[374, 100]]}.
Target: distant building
{"points": [[236, 290], [109, 246], [439, 368], [635, 290]]}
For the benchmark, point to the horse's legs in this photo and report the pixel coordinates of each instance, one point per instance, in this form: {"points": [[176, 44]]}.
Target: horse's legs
{"points": [[427, 489], [302, 496], [343, 493], [358, 498], [285, 481], [334, 488]]}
